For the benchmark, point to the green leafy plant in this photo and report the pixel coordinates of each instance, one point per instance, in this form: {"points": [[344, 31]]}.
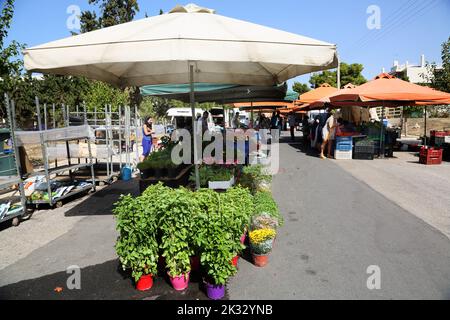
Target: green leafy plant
{"points": [[161, 159], [136, 246], [264, 203], [219, 247], [213, 173], [254, 177], [176, 226]]}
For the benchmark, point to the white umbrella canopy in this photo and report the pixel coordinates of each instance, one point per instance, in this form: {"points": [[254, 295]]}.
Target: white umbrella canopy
{"points": [[190, 44], [159, 50]]}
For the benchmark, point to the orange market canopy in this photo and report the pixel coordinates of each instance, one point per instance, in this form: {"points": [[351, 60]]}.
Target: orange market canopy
{"points": [[393, 91], [316, 94]]}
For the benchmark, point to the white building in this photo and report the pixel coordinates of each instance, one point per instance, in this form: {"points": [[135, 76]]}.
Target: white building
{"points": [[415, 73]]}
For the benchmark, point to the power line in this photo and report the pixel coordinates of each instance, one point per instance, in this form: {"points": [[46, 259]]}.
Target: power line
{"points": [[392, 16], [404, 20], [410, 12]]}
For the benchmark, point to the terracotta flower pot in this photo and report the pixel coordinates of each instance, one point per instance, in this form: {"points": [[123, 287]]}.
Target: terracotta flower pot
{"points": [[260, 260]]}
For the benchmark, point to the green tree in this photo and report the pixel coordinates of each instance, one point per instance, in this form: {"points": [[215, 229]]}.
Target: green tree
{"points": [[100, 94], [440, 78], [350, 73], [112, 12], [300, 88]]}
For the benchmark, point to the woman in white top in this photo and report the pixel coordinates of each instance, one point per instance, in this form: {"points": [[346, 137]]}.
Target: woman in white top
{"points": [[329, 133]]}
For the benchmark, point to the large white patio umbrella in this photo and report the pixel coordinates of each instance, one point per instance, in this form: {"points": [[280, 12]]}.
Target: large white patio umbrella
{"points": [[189, 44]]}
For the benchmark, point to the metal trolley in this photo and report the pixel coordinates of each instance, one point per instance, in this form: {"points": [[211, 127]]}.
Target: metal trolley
{"points": [[14, 178], [47, 137]]}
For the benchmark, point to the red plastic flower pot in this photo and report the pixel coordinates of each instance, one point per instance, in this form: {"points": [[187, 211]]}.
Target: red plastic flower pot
{"points": [[260, 260], [145, 283], [235, 261], [179, 283]]}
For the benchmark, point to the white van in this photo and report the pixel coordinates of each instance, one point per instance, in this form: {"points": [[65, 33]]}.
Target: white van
{"points": [[181, 118]]}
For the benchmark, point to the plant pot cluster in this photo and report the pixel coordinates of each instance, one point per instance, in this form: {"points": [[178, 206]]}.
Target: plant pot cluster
{"points": [[200, 232], [159, 164], [217, 177], [187, 232]]}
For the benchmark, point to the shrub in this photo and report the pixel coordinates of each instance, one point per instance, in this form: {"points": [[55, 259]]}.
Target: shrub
{"points": [[264, 203], [254, 176], [176, 226], [136, 246]]}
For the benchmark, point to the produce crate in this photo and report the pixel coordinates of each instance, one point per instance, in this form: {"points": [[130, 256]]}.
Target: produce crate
{"points": [[430, 156], [438, 138], [363, 156], [343, 155], [365, 146], [344, 143]]}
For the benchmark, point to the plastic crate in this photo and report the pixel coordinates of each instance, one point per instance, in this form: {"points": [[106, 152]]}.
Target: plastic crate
{"points": [[344, 147], [435, 133], [363, 156], [437, 141], [343, 155], [347, 139], [365, 146], [430, 156], [344, 143]]}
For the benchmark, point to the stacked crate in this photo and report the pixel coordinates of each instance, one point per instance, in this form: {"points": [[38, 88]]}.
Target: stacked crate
{"points": [[438, 137], [364, 150], [430, 156], [344, 148]]}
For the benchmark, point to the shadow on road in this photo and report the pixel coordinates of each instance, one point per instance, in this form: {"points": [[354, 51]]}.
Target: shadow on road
{"points": [[102, 201], [105, 281]]}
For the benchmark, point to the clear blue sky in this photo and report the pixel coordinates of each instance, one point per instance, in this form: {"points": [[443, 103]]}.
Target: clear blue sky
{"points": [[409, 28]]}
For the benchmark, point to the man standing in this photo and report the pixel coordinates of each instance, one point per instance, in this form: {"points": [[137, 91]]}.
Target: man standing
{"points": [[236, 121]]}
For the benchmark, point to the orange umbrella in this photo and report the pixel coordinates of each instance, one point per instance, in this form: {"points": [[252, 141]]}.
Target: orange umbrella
{"points": [[389, 91], [316, 94], [386, 87], [311, 96]]}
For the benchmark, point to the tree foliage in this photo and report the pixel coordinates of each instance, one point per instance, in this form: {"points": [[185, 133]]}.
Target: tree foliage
{"points": [[440, 78], [350, 73], [300, 88], [113, 12]]}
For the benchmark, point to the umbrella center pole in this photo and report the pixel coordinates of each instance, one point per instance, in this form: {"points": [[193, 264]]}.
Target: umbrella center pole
{"points": [[194, 125], [382, 134]]}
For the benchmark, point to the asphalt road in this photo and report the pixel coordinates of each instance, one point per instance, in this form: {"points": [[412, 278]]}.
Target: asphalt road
{"points": [[336, 227]]}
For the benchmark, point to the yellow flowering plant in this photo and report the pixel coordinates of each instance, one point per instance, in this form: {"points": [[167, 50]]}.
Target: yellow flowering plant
{"points": [[261, 240]]}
